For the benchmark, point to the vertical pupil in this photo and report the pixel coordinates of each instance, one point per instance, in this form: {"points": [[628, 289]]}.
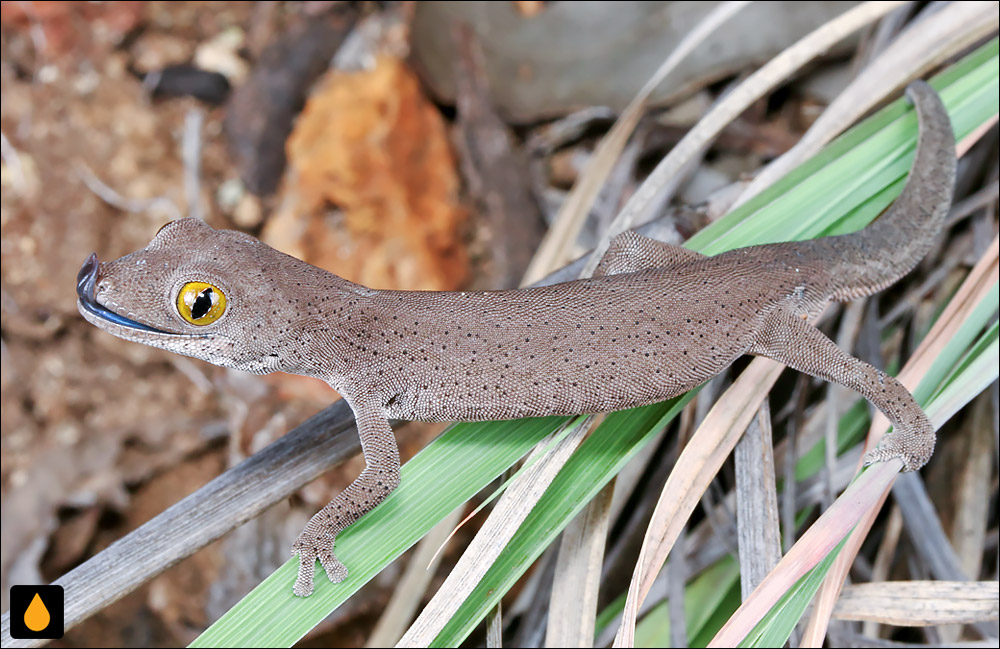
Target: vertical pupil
{"points": [[202, 304]]}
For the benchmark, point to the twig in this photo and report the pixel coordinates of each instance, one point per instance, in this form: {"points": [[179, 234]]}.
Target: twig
{"points": [[114, 199], [982, 199], [573, 601], [494, 167], [191, 155]]}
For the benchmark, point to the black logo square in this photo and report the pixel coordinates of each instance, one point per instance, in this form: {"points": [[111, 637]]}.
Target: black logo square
{"points": [[36, 612]]}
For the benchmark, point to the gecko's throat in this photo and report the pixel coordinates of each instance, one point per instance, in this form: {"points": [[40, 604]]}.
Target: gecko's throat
{"points": [[86, 281]]}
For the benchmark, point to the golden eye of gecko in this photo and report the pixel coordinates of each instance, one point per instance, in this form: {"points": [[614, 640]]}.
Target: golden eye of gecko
{"points": [[201, 303]]}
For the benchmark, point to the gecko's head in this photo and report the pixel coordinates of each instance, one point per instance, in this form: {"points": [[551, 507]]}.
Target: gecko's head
{"points": [[195, 291]]}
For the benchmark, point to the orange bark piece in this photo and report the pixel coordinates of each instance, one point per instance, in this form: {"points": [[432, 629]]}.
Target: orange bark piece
{"points": [[372, 190]]}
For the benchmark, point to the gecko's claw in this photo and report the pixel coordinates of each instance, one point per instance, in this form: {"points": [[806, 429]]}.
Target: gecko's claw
{"points": [[308, 554], [335, 570]]}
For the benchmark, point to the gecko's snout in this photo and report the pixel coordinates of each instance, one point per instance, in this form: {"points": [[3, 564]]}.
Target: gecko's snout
{"points": [[86, 283], [86, 279]]}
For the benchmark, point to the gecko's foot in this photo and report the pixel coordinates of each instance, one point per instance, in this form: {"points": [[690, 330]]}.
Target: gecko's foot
{"points": [[309, 551], [912, 448]]}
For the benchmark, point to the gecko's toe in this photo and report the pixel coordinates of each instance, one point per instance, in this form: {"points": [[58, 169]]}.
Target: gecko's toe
{"points": [[913, 449], [307, 568], [309, 551], [335, 570], [303, 586], [880, 454]]}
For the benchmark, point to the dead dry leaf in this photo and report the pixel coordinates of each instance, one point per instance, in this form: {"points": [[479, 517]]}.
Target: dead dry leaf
{"points": [[372, 189]]}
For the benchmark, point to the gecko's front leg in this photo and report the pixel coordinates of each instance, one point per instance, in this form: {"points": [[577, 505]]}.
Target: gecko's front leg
{"points": [[379, 478]]}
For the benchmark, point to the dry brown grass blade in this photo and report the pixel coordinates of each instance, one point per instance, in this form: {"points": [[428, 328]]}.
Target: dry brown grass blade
{"points": [[969, 528], [558, 245], [494, 627], [866, 492], [757, 517], [770, 75], [695, 468], [573, 602], [883, 558], [983, 276], [920, 603], [924, 45], [501, 525], [407, 594]]}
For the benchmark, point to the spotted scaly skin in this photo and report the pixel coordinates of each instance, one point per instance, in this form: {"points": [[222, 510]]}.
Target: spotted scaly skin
{"points": [[655, 321]]}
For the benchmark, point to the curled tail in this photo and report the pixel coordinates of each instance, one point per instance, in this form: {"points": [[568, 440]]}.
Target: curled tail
{"points": [[877, 256]]}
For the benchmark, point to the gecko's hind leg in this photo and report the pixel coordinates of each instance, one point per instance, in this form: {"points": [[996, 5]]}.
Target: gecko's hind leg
{"points": [[630, 251], [379, 478], [788, 338]]}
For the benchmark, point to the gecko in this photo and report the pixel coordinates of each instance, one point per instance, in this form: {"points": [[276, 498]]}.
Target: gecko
{"points": [[655, 320]]}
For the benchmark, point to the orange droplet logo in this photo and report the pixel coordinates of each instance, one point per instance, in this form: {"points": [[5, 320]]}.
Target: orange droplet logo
{"points": [[36, 617]]}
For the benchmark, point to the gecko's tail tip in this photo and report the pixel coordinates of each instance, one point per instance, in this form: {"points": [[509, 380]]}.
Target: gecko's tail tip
{"points": [[917, 87]]}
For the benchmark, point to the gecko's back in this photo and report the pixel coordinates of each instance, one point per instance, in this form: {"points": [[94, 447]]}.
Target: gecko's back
{"points": [[588, 346]]}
